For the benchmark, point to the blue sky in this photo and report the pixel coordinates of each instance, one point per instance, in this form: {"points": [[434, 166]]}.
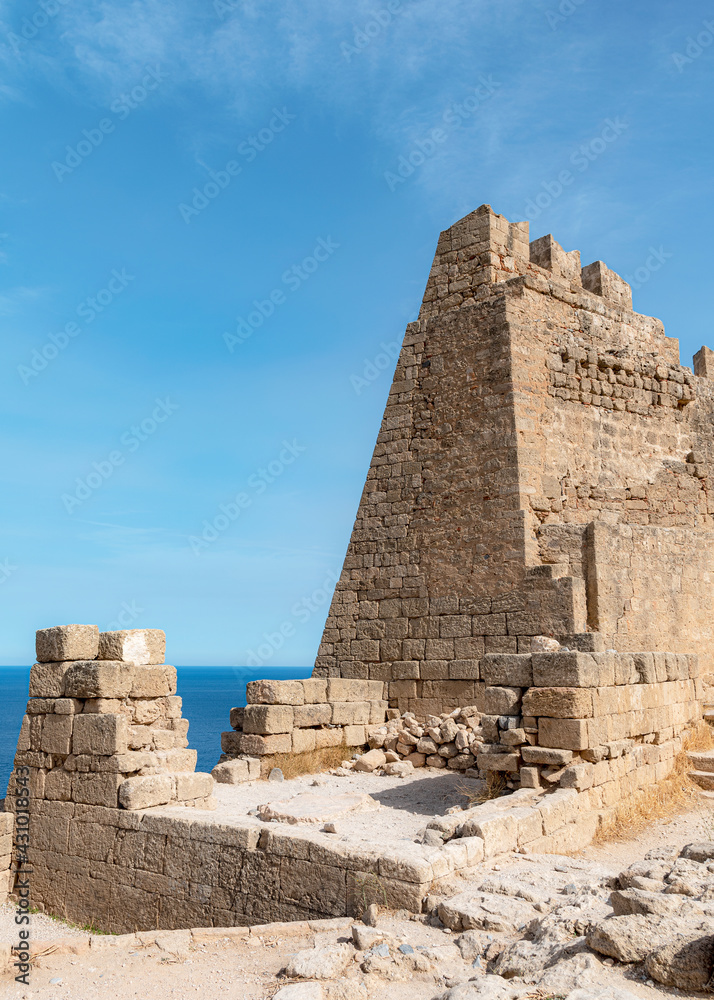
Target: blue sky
{"points": [[178, 175]]}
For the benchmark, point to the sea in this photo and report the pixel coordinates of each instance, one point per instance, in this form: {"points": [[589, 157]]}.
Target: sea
{"points": [[209, 693]]}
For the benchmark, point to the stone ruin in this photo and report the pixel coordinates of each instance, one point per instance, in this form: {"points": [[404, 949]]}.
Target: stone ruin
{"points": [[527, 592]]}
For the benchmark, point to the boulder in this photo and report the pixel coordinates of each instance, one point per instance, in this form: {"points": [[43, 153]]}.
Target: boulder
{"points": [[371, 760], [687, 962], [627, 938]]}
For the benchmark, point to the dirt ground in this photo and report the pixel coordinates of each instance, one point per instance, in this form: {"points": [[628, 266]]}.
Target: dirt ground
{"points": [[249, 969]]}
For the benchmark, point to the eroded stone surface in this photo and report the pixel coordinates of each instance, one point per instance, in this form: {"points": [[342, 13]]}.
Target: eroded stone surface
{"points": [[313, 807]]}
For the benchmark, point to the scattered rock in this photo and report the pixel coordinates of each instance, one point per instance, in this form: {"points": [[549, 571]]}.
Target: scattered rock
{"points": [[320, 963], [699, 852], [399, 769], [370, 761], [276, 775], [687, 962], [368, 937], [371, 915]]}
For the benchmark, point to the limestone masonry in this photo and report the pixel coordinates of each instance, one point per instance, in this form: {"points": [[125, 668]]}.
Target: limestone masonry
{"points": [[527, 592]]}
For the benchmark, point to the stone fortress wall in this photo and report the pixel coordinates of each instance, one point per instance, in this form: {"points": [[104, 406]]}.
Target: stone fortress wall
{"points": [[541, 471]]}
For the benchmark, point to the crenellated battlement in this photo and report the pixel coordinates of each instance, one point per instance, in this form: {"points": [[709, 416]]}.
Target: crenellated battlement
{"points": [[484, 248]]}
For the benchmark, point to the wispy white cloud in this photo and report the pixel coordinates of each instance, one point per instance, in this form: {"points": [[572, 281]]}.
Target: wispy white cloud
{"points": [[13, 300]]}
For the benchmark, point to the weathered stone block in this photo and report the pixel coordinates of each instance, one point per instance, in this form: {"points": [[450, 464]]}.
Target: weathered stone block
{"points": [[578, 776], [235, 772], [154, 680], [502, 700], [58, 784], [47, 679], [355, 736], [98, 679], [191, 786], [96, 789], [67, 642], [546, 755], [57, 734], [236, 717], [268, 719], [568, 734], [304, 740], [499, 832], [134, 645], [255, 745], [340, 689], [330, 738], [566, 669], [312, 715], [144, 792], [315, 689], [178, 759], [498, 761], [100, 734], [558, 703], [269, 692], [507, 669], [350, 713], [464, 670]]}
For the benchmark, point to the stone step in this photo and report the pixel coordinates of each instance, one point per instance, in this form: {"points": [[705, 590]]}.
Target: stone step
{"points": [[705, 779], [702, 760]]}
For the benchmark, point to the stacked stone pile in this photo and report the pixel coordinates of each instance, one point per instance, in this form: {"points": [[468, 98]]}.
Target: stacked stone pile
{"points": [[103, 724], [451, 740]]}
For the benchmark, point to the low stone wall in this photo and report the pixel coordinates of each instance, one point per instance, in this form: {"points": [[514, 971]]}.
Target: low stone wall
{"points": [[535, 716], [301, 717], [576, 710]]}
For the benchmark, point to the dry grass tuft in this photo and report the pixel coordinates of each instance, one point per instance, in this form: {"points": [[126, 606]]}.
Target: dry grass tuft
{"points": [[312, 762], [676, 794], [493, 787]]}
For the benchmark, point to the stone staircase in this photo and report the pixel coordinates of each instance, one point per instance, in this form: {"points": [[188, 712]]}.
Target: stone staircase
{"points": [[703, 762]]}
